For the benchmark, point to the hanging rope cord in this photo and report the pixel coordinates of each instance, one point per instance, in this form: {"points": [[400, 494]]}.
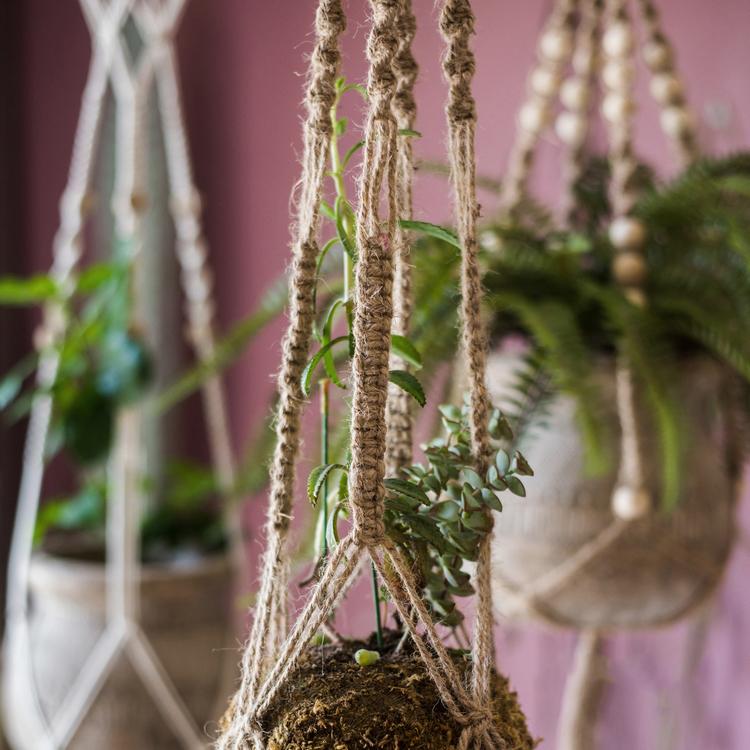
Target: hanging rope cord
{"points": [[391, 23], [270, 611], [399, 415]]}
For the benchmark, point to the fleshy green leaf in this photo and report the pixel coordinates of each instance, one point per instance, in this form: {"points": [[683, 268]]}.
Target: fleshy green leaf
{"points": [[522, 465], [350, 153], [408, 383], [515, 485], [502, 461], [447, 511], [491, 500], [403, 487], [327, 211], [366, 658], [328, 362], [409, 133]]}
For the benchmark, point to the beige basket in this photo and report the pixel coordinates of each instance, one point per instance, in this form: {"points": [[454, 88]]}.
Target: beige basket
{"points": [[185, 613], [658, 568]]}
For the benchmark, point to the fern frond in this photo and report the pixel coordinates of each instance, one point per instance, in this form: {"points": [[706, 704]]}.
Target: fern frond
{"points": [[561, 344]]}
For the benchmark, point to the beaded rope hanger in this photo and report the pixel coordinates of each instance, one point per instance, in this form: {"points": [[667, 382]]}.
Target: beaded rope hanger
{"points": [[595, 37], [130, 81], [271, 654], [630, 500]]}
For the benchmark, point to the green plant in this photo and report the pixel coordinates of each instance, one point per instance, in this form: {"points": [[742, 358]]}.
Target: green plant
{"points": [[103, 364], [437, 513], [554, 287]]}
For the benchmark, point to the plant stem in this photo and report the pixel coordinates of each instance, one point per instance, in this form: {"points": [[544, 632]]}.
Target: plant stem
{"points": [[376, 601], [337, 174], [324, 451]]}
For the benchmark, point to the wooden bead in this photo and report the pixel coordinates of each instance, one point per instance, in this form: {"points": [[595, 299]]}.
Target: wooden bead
{"points": [[657, 55], [630, 504], [574, 94], [617, 107], [533, 117], [556, 44], [675, 121], [625, 233], [665, 88], [544, 81], [618, 40], [629, 268], [618, 75], [571, 128]]}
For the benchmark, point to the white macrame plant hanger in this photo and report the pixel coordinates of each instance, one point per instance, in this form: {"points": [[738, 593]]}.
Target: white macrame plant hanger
{"points": [[131, 82]]}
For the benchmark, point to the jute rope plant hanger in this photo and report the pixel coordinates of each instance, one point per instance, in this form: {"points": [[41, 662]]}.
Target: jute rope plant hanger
{"points": [[130, 81], [595, 38], [271, 654]]}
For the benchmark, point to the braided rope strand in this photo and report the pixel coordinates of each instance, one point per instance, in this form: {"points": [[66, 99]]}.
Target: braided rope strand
{"points": [[374, 281], [330, 24], [399, 411], [457, 26]]}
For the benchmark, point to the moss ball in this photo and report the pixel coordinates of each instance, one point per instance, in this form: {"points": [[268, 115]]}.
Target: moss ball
{"points": [[333, 703]]}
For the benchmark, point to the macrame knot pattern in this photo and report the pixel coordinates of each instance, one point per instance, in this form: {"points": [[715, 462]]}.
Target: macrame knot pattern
{"points": [[405, 66], [457, 26], [382, 46], [372, 338], [330, 23]]}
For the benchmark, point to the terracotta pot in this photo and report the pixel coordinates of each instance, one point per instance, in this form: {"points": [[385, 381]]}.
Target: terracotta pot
{"points": [[660, 567], [185, 612]]}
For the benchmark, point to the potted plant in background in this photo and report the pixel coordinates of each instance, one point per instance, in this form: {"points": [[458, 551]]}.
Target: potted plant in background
{"points": [[118, 609], [105, 366], [414, 526]]}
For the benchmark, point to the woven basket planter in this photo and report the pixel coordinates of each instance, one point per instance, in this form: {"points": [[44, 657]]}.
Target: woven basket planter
{"points": [[660, 567], [186, 615]]}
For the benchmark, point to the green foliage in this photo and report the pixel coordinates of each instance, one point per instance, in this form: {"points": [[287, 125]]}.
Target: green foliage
{"points": [[185, 519], [102, 363], [439, 512], [554, 287]]}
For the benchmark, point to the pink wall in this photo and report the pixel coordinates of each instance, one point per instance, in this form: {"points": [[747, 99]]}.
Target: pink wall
{"points": [[243, 70]]}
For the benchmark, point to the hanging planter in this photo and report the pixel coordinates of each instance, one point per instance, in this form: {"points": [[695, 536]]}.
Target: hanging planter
{"points": [[107, 597], [650, 573], [630, 309], [413, 527]]}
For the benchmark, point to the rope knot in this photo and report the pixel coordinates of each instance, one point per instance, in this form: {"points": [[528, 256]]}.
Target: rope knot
{"points": [[457, 19], [330, 20]]}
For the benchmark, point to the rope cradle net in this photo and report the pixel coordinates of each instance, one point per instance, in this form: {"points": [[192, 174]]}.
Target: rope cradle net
{"points": [[586, 43], [381, 424], [130, 81]]}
